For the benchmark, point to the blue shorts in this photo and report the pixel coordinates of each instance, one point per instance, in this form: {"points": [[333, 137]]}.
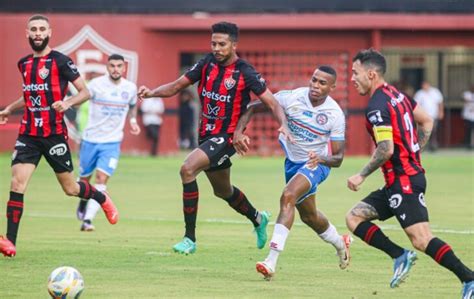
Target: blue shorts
{"points": [[315, 176], [101, 156]]}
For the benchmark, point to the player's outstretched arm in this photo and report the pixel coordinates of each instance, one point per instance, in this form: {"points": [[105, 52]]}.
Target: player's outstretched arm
{"points": [[269, 100], [10, 108], [79, 98], [424, 125], [165, 90]]}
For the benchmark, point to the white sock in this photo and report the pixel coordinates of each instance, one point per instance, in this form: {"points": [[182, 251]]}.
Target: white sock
{"points": [[93, 206], [277, 244], [332, 236]]}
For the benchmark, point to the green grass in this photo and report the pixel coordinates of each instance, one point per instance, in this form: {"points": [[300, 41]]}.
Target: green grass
{"points": [[134, 260]]}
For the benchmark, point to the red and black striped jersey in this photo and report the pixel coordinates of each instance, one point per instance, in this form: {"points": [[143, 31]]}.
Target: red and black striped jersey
{"points": [[224, 92], [389, 115], [45, 81]]}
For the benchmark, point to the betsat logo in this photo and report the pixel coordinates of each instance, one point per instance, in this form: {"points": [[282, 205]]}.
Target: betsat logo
{"points": [[36, 87], [215, 96]]}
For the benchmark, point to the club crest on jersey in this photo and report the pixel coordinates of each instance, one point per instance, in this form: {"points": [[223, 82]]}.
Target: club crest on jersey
{"points": [[229, 83], [321, 118], [124, 95], [43, 72]]}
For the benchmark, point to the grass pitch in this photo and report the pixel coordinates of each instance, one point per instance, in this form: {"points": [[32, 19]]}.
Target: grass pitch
{"points": [[134, 259]]}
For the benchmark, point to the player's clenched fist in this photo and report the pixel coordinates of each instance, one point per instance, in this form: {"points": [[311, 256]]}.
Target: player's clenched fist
{"points": [[144, 92], [4, 116], [61, 106], [354, 182]]}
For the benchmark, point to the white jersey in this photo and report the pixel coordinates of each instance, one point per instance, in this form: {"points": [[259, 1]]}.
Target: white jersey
{"points": [[108, 109], [312, 127]]}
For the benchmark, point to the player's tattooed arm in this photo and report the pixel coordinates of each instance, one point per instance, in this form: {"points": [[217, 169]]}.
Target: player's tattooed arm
{"points": [[424, 125], [423, 136], [383, 152], [365, 211]]}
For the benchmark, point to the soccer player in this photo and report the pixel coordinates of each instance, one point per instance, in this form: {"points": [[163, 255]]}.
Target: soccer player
{"points": [[400, 130], [112, 99], [45, 74], [317, 125], [225, 83]]}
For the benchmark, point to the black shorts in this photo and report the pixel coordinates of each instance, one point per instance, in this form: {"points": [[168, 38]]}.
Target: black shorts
{"points": [[218, 149], [29, 149], [404, 199]]}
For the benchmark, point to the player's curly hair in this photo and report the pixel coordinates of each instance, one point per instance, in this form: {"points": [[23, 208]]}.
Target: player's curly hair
{"points": [[228, 28], [373, 58]]}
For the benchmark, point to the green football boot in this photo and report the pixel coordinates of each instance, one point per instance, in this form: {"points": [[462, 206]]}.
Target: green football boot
{"points": [[186, 246], [261, 230]]}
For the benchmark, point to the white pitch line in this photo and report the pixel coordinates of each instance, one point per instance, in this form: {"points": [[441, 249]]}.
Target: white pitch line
{"points": [[434, 229]]}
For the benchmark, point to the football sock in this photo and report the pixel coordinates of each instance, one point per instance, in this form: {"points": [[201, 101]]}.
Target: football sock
{"points": [[87, 191], [82, 205], [372, 235], [331, 236], [277, 244], [14, 212], [239, 202], [190, 206], [444, 255], [93, 206]]}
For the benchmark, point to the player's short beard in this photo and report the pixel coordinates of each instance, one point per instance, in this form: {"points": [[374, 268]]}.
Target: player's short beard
{"points": [[115, 79], [40, 47]]}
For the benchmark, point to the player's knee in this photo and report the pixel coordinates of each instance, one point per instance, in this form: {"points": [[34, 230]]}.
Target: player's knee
{"points": [[17, 185], [288, 197], [186, 172], [420, 242], [309, 219], [352, 221], [101, 179], [70, 189]]}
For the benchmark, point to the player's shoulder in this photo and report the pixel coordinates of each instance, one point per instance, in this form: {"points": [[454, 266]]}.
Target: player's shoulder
{"points": [[378, 100], [25, 59], [205, 60], [58, 56], [244, 66], [285, 92], [333, 104], [98, 80], [289, 94], [128, 84]]}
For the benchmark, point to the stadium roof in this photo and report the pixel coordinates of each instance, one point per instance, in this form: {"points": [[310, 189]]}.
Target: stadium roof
{"points": [[237, 6]]}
